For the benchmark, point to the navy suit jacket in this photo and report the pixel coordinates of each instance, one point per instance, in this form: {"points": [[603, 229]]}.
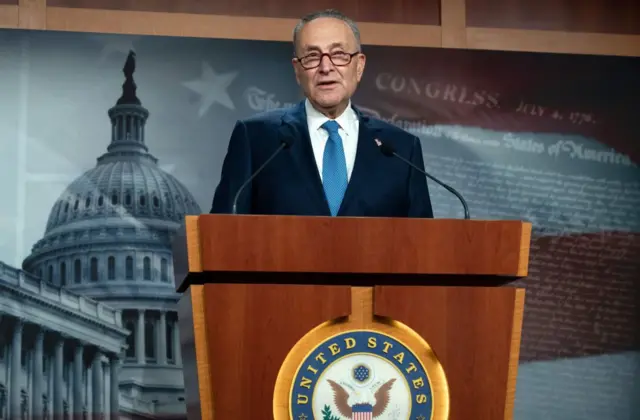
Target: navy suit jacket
{"points": [[380, 186]]}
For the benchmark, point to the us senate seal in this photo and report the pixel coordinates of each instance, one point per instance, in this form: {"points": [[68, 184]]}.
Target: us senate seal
{"points": [[361, 375]]}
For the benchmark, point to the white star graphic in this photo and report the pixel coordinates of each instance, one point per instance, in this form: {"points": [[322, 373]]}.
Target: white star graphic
{"points": [[212, 88], [114, 44]]}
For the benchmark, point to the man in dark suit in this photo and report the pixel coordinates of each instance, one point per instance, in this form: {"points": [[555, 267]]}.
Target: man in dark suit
{"points": [[333, 165]]}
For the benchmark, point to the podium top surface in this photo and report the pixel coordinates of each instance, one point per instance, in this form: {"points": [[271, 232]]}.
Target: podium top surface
{"points": [[355, 245]]}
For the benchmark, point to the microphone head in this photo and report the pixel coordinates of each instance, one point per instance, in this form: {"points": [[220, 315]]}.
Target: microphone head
{"points": [[288, 141], [385, 148]]}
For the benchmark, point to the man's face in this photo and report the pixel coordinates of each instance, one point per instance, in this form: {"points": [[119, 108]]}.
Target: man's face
{"points": [[328, 86]]}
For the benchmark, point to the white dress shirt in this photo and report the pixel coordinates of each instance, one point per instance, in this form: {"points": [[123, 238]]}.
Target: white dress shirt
{"points": [[349, 124]]}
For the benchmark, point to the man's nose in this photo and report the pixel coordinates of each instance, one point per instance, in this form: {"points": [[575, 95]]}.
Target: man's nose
{"points": [[325, 64]]}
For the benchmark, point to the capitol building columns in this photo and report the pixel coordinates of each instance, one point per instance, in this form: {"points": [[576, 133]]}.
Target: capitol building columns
{"points": [[49, 377], [140, 338], [114, 394], [155, 337], [15, 373], [38, 382], [78, 376], [177, 349], [162, 338], [58, 380], [98, 381]]}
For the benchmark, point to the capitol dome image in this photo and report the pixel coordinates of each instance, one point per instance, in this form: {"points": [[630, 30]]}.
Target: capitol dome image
{"points": [[108, 240]]}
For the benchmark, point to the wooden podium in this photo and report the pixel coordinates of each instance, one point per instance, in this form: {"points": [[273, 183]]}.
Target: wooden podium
{"points": [[254, 286]]}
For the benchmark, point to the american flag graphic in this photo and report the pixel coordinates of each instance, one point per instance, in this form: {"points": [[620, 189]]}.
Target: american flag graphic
{"points": [[361, 412], [479, 129]]}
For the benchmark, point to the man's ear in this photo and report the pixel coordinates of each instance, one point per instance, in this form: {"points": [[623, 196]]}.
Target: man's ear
{"points": [[296, 69], [360, 64]]}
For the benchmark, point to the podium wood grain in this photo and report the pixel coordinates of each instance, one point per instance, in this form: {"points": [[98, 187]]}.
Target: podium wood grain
{"points": [[289, 244], [475, 333]]}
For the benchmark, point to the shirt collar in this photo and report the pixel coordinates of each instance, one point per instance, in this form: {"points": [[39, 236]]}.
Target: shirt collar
{"points": [[315, 118]]}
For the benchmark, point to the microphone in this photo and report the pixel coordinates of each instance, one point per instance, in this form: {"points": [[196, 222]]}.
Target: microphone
{"points": [[285, 144], [389, 151]]}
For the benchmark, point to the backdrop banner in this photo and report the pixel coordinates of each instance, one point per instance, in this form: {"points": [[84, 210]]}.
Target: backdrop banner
{"points": [[87, 303]]}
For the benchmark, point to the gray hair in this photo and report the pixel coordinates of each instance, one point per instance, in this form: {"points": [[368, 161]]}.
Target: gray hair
{"points": [[328, 13]]}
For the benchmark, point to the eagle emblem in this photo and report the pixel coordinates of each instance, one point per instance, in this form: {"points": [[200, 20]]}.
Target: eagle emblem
{"points": [[360, 380], [365, 409]]}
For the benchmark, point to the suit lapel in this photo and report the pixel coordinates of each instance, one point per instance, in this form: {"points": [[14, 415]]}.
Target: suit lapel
{"points": [[294, 125], [364, 165]]}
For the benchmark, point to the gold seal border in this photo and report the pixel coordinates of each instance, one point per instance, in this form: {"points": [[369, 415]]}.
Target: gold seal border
{"points": [[394, 329]]}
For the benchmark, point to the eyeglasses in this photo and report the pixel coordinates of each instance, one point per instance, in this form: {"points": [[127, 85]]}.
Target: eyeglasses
{"points": [[313, 60]]}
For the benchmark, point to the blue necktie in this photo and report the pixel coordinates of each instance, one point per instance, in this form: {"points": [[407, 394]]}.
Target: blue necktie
{"points": [[334, 168]]}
